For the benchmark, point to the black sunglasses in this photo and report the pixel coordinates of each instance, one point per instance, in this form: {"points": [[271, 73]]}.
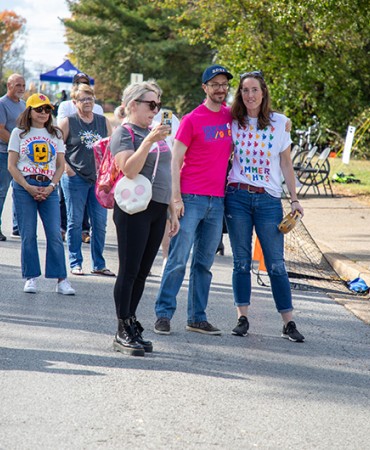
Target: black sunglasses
{"points": [[47, 109], [152, 104], [254, 73]]}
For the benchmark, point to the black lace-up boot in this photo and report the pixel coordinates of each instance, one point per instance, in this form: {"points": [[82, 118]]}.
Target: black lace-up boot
{"points": [[138, 330], [125, 340]]}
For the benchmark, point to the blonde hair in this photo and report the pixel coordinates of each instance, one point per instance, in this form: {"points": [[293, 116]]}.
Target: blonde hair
{"points": [[79, 88], [135, 91], [155, 86], [119, 113]]}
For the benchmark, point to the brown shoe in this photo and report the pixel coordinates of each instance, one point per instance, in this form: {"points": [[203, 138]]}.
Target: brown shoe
{"points": [[85, 237], [203, 327], [105, 272]]}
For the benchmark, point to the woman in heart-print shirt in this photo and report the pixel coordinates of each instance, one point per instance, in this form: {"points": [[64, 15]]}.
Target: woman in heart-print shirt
{"points": [[253, 197]]}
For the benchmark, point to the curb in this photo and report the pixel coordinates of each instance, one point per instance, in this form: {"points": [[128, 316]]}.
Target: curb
{"points": [[345, 268], [348, 270]]}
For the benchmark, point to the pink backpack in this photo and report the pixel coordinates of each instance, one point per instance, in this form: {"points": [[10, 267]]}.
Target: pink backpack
{"points": [[108, 174]]}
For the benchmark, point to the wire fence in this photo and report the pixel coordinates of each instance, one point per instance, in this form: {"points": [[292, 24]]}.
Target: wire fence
{"points": [[307, 267]]}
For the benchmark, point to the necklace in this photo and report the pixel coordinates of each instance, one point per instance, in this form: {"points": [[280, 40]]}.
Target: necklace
{"points": [[89, 119], [84, 125]]}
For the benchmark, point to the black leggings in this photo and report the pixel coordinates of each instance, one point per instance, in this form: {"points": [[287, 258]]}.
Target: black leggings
{"points": [[139, 237]]}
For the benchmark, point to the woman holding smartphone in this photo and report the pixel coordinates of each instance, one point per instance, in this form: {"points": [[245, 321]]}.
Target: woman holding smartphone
{"points": [[135, 146]]}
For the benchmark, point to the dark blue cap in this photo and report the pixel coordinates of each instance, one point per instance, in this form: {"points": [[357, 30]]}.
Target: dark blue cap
{"points": [[213, 71], [79, 76]]}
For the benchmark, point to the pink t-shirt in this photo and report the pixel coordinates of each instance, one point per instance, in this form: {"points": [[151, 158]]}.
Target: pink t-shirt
{"points": [[207, 134]]}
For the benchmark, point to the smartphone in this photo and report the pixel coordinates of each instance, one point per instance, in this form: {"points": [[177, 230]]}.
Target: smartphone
{"points": [[167, 118]]}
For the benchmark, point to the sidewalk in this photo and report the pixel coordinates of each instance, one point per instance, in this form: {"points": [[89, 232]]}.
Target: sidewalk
{"points": [[340, 227]]}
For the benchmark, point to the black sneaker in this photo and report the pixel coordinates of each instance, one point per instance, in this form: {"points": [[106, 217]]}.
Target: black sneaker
{"points": [[203, 327], [290, 332], [162, 326], [16, 233], [2, 237], [242, 327]]}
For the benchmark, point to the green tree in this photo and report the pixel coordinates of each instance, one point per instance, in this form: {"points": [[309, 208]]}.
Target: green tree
{"points": [[11, 26], [314, 53], [111, 39]]}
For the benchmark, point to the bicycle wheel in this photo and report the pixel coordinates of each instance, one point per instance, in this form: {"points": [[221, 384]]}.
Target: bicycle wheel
{"points": [[296, 149], [299, 158], [302, 161]]}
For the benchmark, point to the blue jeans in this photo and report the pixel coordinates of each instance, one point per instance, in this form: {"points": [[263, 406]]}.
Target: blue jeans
{"points": [[78, 193], [200, 226], [243, 211], [27, 207], [5, 179]]}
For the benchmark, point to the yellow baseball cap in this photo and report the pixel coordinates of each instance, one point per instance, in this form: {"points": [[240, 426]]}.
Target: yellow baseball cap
{"points": [[36, 100]]}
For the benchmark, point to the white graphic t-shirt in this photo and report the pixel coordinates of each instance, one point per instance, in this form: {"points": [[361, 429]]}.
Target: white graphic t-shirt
{"points": [[257, 153], [37, 151]]}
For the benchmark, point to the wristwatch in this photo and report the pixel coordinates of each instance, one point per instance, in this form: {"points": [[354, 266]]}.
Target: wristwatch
{"points": [[53, 185]]}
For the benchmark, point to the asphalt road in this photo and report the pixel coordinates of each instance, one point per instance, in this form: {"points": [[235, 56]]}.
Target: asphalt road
{"points": [[63, 387]]}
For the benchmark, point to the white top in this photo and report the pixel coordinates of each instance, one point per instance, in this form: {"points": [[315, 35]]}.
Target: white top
{"points": [[257, 153], [37, 151], [68, 108]]}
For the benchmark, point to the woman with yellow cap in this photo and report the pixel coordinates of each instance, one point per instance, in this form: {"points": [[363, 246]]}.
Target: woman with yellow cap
{"points": [[36, 163]]}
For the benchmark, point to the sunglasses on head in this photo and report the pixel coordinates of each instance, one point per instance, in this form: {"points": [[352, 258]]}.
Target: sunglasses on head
{"points": [[254, 73], [152, 104], [46, 109]]}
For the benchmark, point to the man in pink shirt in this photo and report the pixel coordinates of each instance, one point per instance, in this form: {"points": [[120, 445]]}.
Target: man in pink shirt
{"points": [[199, 163]]}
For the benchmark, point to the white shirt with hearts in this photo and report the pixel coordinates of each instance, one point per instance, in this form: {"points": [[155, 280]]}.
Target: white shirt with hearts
{"points": [[257, 153]]}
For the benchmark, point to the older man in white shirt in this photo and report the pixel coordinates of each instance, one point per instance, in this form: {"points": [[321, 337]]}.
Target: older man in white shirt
{"points": [[67, 108]]}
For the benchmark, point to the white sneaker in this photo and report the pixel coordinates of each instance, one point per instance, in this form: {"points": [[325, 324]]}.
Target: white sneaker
{"points": [[31, 286], [63, 287]]}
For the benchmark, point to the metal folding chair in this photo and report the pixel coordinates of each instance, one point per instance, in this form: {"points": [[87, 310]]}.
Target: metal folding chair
{"points": [[315, 172]]}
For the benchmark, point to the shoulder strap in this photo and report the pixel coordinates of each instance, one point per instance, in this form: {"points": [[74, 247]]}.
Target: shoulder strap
{"points": [[156, 165], [129, 129]]}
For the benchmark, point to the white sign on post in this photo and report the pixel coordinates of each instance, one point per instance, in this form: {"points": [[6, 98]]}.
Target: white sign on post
{"points": [[136, 78], [348, 145]]}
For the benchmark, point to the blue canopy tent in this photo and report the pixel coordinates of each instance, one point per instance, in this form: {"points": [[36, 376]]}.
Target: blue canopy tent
{"points": [[62, 74]]}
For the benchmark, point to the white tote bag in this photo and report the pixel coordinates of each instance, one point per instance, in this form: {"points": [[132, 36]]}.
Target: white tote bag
{"points": [[133, 195]]}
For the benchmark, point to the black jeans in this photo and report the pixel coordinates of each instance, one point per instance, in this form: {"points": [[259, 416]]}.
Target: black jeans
{"points": [[139, 237]]}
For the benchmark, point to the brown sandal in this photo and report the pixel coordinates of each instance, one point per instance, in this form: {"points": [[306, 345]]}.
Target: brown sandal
{"points": [[105, 272]]}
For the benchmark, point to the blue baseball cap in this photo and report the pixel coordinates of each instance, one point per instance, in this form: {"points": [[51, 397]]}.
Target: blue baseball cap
{"points": [[80, 76], [213, 71]]}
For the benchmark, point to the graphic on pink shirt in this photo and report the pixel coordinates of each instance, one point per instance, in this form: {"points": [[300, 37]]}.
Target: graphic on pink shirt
{"points": [[216, 132]]}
